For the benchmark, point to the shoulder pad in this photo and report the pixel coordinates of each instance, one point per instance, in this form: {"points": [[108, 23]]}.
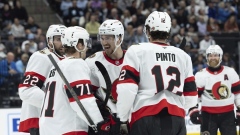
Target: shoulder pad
{"points": [[92, 56], [42, 51]]}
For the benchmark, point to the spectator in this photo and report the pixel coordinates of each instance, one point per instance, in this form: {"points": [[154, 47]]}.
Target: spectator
{"points": [[6, 30], [222, 14], [17, 29], [212, 26], [126, 18], [92, 26], [9, 73], [202, 26], [33, 45], [65, 5], [193, 8], [181, 17], [231, 25], [96, 4], [11, 43], [128, 37], [134, 21], [26, 50], [74, 12], [114, 14], [199, 63], [175, 27], [7, 14], [82, 4], [211, 10], [139, 36], [205, 43], [227, 61], [21, 64], [20, 12], [2, 50], [123, 4], [33, 28], [187, 49], [133, 8], [195, 44], [42, 42]]}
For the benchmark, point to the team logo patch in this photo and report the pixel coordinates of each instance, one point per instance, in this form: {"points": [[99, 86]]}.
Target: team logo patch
{"points": [[205, 133], [220, 91], [92, 55]]}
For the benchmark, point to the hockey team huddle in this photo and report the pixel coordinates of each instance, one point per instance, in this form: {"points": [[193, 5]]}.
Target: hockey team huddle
{"points": [[152, 84]]}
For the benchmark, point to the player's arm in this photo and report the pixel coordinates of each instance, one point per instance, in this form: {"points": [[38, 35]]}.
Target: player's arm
{"points": [[93, 77], [30, 88], [127, 86], [235, 86], [189, 89], [78, 77]]}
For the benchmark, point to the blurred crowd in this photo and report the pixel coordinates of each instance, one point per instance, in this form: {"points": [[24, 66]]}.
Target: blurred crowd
{"points": [[196, 20]]}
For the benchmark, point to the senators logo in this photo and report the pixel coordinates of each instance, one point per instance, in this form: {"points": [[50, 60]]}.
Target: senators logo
{"points": [[220, 91], [113, 94]]}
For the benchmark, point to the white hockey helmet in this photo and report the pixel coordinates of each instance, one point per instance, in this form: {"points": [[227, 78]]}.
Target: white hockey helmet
{"points": [[158, 21], [112, 27], [54, 30], [214, 49], [72, 35]]}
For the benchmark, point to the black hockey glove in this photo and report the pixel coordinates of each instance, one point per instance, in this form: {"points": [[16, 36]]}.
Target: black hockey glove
{"points": [[195, 115], [104, 126], [238, 117]]}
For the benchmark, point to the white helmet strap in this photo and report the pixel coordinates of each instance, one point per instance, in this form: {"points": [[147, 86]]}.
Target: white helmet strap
{"points": [[117, 45]]}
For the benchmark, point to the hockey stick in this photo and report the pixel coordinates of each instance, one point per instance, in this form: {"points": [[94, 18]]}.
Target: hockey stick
{"points": [[183, 43], [107, 79], [71, 91]]}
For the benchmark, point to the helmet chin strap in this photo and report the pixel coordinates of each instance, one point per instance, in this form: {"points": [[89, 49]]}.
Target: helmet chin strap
{"points": [[116, 46]]}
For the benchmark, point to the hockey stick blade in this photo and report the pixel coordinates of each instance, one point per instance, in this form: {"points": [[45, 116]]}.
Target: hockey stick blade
{"points": [[107, 79], [183, 43], [72, 92]]}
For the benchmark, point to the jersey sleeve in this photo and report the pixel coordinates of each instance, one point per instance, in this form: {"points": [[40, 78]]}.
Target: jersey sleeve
{"points": [[189, 89], [93, 77], [200, 82], [127, 86], [235, 86], [30, 88], [78, 77]]}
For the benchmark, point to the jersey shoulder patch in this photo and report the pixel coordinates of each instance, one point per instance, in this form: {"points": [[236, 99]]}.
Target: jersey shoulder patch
{"points": [[92, 56]]}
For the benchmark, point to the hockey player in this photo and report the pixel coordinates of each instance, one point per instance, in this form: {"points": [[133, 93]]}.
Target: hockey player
{"points": [[156, 83], [218, 88], [60, 113], [30, 90], [111, 33]]}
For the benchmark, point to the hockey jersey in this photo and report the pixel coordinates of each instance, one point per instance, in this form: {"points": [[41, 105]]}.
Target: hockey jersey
{"points": [[113, 68], [60, 113], [218, 90], [30, 89], [155, 76]]}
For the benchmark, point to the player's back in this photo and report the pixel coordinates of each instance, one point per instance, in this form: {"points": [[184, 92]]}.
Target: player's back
{"points": [[163, 70], [57, 116]]}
